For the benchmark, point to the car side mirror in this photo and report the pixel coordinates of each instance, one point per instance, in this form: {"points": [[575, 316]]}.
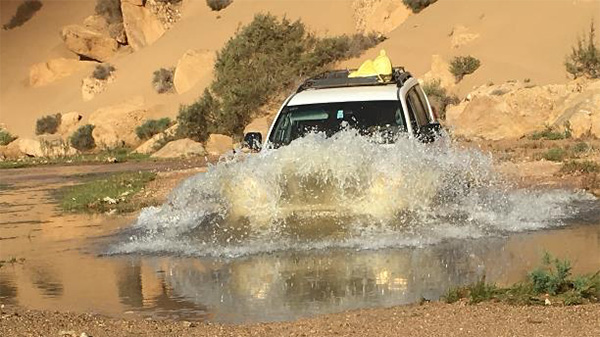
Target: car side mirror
{"points": [[252, 141], [428, 133]]}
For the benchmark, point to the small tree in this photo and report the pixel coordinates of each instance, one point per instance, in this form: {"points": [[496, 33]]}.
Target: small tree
{"points": [[151, 127], [82, 138], [103, 71], [463, 65], [163, 80], [194, 120], [48, 124], [217, 5], [584, 59], [24, 13]]}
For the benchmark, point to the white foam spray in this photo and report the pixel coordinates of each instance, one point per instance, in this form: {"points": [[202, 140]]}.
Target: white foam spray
{"points": [[345, 191]]}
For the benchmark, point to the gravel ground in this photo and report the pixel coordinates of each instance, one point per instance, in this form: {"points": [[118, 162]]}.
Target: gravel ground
{"points": [[430, 319]]}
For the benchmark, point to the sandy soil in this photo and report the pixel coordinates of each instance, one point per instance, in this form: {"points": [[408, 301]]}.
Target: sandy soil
{"points": [[431, 319]]}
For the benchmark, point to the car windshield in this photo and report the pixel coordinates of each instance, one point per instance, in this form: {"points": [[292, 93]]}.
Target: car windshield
{"points": [[374, 118]]}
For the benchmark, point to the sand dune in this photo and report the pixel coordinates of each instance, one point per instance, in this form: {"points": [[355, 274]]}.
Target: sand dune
{"points": [[517, 40]]}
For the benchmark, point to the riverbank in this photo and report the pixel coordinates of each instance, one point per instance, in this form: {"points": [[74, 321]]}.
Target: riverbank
{"points": [[429, 319]]}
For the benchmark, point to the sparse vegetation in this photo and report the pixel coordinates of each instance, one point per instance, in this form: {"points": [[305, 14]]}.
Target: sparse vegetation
{"points": [[110, 10], [417, 5], [584, 60], [550, 281], [555, 154], [103, 71], [217, 5], [585, 166], [6, 137], [118, 155], [262, 59], [82, 138], [550, 134], [438, 97], [24, 13], [580, 147], [48, 124], [102, 195], [151, 127], [162, 80], [463, 65]]}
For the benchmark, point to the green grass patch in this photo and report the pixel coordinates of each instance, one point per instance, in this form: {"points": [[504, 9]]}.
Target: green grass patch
{"points": [[102, 195], [550, 134], [555, 154], [585, 166], [552, 280]]}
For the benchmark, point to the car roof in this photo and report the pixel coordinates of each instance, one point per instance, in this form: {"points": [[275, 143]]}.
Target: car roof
{"points": [[388, 92]]}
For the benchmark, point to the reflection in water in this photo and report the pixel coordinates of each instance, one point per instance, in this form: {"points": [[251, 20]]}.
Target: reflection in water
{"points": [[8, 290], [43, 277]]}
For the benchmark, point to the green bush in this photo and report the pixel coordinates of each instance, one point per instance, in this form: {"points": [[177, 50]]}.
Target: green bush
{"points": [[438, 97], [555, 154], [25, 11], [110, 10], [262, 59], [552, 277], [417, 5], [217, 5], [586, 166], [82, 138], [194, 120], [584, 60], [550, 134], [463, 65], [162, 80], [580, 147], [151, 127], [48, 124], [103, 71], [6, 137]]}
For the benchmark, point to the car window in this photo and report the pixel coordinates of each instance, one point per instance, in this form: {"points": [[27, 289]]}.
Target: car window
{"points": [[368, 117], [416, 108]]}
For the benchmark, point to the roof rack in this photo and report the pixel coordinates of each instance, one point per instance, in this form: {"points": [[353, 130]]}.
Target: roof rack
{"points": [[339, 79]]}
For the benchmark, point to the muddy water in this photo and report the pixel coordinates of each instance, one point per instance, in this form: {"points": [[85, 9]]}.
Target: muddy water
{"points": [[64, 267]]}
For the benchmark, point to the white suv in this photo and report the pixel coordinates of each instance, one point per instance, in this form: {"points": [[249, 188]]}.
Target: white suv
{"points": [[333, 101]]}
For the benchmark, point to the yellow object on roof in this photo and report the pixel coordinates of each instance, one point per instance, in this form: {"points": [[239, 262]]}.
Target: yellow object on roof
{"points": [[380, 67]]}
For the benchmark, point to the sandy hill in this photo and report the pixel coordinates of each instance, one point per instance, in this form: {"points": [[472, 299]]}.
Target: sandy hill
{"points": [[514, 40]]}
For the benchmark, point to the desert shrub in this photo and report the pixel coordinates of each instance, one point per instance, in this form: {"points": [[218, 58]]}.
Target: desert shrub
{"points": [[217, 5], [47, 124], [438, 97], [552, 277], [555, 154], [82, 138], [585, 166], [580, 147], [550, 134], [265, 57], [151, 127], [463, 65], [103, 71], [6, 137], [25, 11], [110, 10], [194, 120], [173, 2], [417, 5], [584, 60], [162, 80]]}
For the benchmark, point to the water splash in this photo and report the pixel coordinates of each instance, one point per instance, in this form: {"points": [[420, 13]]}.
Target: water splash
{"points": [[345, 191]]}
